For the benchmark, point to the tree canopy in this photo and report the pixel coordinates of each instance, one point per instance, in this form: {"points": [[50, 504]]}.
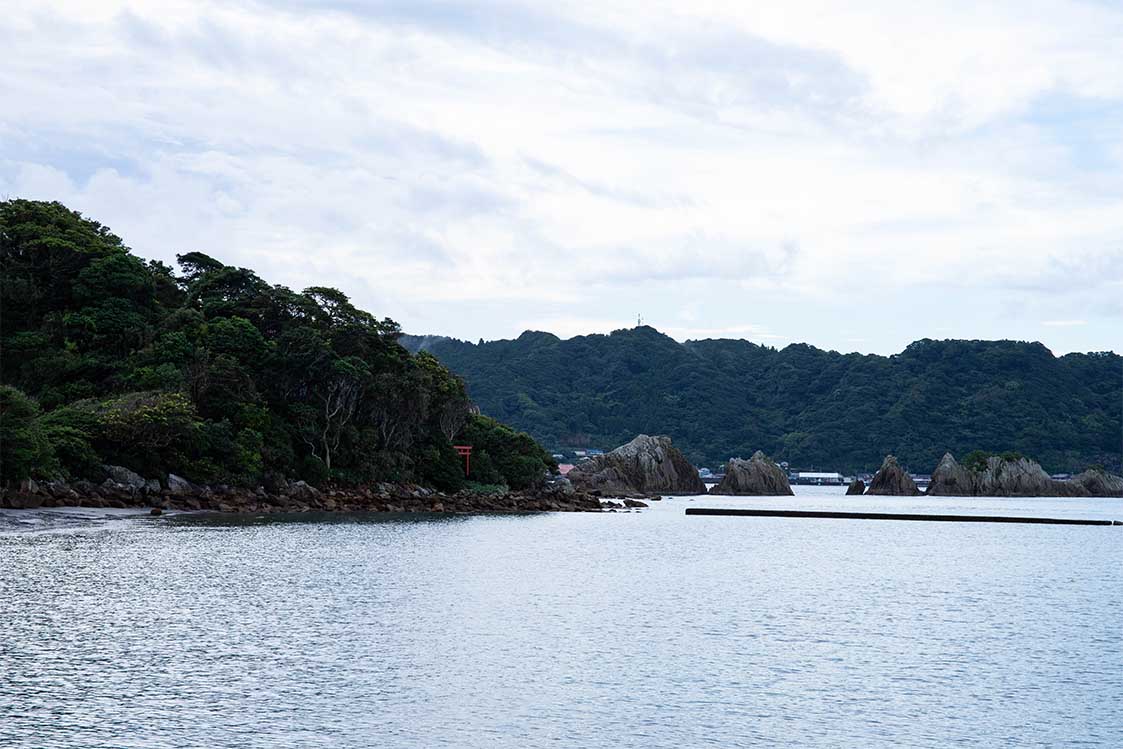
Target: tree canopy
{"points": [[214, 373], [815, 409]]}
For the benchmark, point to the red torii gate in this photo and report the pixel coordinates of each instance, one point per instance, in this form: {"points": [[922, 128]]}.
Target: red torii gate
{"points": [[466, 451]]}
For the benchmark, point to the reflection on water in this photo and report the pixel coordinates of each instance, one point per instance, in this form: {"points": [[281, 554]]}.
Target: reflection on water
{"points": [[639, 630]]}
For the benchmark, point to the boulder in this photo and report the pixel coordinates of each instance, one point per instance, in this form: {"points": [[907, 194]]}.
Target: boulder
{"points": [[116, 491], [179, 485], [756, 477], [634, 503], [857, 486], [646, 465], [152, 487], [303, 492], [122, 475], [892, 481]]}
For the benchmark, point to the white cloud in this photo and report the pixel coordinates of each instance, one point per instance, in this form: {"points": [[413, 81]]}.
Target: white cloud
{"points": [[472, 170]]}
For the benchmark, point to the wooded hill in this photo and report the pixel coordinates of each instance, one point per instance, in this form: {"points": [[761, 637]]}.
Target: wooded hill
{"points": [[816, 409], [214, 374]]}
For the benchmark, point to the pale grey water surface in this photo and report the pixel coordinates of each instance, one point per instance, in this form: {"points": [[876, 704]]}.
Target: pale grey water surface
{"points": [[648, 629]]}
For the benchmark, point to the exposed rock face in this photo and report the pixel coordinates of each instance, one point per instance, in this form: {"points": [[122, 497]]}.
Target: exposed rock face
{"points": [[179, 485], [122, 475], [892, 481], [646, 465], [1017, 478], [756, 477], [1100, 484], [1020, 478], [857, 486], [950, 479]]}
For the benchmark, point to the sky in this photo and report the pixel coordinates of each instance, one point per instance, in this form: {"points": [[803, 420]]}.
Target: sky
{"points": [[852, 175]]}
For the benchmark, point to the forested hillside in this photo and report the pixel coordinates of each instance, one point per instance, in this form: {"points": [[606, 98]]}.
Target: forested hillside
{"points": [[214, 374], [726, 398]]}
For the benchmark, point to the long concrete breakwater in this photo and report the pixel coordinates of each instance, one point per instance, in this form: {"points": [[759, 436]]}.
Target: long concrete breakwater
{"points": [[893, 516]]}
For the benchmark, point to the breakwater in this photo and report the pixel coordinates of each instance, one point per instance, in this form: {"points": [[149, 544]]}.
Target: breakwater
{"points": [[894, 516]]}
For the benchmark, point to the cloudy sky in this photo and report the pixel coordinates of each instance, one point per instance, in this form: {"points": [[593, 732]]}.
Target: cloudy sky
{"points": [[854, 175]]}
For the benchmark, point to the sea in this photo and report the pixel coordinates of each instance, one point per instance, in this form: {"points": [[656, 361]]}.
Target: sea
{"points": [[629, 629]]}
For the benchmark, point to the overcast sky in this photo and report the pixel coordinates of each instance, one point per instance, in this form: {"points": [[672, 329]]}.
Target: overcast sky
{"points": [[854, 175]]}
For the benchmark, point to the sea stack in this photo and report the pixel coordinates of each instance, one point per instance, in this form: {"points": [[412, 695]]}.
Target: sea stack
{"points": [[1016, 477], [950, 479], [892, 481], [646, 465], [1099, 483], [857, 486], [756, 477]]}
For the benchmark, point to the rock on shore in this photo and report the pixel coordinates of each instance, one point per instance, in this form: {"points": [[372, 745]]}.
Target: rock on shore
{"points": [[646, 465], [288, 496], [857, 486], [891, 480], [756, 477]]}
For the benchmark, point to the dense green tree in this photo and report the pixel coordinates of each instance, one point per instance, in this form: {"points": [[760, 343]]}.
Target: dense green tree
{"points": [[812, 408], [213, 374]]}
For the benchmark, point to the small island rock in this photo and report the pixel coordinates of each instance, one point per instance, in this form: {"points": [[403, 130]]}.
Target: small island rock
{"points": [[1099, 483], [756, 477], [857, 486], [951, 479], [646, 465], [892, 481]]}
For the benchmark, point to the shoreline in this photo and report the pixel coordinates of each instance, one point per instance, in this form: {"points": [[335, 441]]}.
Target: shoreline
{"points": [[296, 497]]}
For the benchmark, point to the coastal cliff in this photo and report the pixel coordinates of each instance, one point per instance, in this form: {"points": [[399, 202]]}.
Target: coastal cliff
{"points": [[758, 476], [892, 480], [646, 465]]}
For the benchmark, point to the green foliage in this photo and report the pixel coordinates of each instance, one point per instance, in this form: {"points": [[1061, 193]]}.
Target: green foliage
{"points": [[976, 460], [500, 455], [812, 408], [25, 450], [214, 374]]}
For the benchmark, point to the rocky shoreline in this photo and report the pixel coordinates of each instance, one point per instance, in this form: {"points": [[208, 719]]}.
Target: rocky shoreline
{"points": [[125, 489]]}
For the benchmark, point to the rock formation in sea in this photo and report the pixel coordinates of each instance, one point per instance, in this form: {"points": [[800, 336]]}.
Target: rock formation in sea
{"points": [[857, 486], [756, 477], [1099, 483], [951, 479], [646, 465], [892, 480], [1017, 477]]}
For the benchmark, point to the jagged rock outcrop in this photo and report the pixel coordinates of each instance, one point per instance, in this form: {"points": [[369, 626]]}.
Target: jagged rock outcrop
{"points": [[951, 479], [1099, 484], [1020, 478], [756, 477], [857, 486], [646, 465], [1017, 477], [892, 481]]}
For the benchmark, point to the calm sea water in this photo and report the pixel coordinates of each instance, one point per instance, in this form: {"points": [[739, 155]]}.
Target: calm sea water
{"points": [[647, 629]]}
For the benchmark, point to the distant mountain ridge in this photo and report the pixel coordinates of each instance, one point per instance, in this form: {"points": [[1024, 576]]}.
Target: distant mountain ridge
{"points": [[722, 398]]}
